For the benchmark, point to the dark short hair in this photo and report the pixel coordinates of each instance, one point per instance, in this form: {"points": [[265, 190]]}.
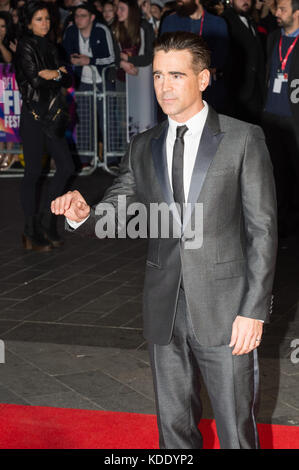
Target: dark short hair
{"points": [[85, 6], [295, 5], [180, 41]]}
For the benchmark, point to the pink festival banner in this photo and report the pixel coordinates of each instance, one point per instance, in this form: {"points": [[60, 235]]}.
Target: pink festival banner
{"points": [[10, 105]]}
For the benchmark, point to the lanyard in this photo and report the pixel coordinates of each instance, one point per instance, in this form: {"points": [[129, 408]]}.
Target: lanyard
{"points": [[284, 61], [202, 20]]}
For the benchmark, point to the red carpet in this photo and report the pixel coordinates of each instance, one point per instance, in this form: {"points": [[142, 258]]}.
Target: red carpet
{"points": [[34, 427]]}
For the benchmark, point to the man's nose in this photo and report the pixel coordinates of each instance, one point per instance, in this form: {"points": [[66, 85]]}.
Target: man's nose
{"points": [[166, 85]]}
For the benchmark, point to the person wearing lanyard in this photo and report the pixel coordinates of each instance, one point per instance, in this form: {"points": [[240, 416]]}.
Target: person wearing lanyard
{"points": [[247, 82], [281, 113], [192, 17]]}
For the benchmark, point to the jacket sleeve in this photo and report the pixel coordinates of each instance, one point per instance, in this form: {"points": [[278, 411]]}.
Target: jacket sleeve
{"points": [[102, 47], [26, 61], [259, 215], [66, 78], [123, 186], [145, 55]]}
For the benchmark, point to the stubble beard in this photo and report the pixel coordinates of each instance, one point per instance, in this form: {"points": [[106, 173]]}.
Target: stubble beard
{"points": [[187, 9]]}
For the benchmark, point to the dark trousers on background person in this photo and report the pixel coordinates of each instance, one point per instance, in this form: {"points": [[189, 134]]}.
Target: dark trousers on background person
{"points": [[283, 144], [35, 142], [249, 110], [231, 382]]}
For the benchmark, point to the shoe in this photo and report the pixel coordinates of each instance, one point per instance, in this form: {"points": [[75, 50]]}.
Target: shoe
{"points": [[86, 166], [6, 162], [48, 223], [33, 238]]}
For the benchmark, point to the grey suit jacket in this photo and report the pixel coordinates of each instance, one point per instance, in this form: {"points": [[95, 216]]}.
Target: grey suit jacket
{"points": [[232, 272]]}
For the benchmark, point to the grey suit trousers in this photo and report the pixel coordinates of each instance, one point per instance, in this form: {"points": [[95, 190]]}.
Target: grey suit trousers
{"points": [[231, 382]]}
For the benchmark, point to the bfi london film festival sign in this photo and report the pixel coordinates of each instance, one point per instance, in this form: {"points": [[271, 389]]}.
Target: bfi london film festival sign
{"points": [[10, 105]]}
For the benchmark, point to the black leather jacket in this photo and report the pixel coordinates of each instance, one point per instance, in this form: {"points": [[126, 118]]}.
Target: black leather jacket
{"points": [[31, 58]]}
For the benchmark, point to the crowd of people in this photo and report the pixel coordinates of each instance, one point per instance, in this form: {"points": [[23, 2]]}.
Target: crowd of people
{"points": [[254, 60]]}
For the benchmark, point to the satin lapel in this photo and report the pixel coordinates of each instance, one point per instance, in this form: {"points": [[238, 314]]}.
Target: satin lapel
{"points": [[209, 142], [158, 145]]}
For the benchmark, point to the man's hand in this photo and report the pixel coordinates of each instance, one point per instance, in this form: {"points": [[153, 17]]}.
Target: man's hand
{"points": [[72, 205], [80, 59], [146, 8], [246, 335]]}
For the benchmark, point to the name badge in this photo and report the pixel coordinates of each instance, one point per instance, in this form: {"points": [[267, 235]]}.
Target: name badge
{"points": [[279, 80]]}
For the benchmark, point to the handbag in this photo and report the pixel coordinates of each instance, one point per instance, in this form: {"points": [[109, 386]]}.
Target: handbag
{"points": [[55, 120]]}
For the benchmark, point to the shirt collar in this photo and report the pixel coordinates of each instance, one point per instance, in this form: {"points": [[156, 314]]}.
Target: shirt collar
{"points": [[194, 124], [292, 35]]}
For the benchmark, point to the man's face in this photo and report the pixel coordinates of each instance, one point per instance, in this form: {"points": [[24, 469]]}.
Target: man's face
{"points": [[186, 7], [177, 85], [242, 6], [284, 14], [83, 19], [156, 12]]}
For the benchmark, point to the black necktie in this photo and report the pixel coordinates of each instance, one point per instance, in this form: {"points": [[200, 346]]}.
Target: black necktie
{"points": [[178, 167]]}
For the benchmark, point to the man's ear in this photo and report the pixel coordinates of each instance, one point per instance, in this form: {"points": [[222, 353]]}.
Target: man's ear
{"points": [[204, 79], [93, 17]]}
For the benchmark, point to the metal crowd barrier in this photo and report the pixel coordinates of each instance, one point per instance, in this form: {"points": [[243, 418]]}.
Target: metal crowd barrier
{"points": [[115, 116], [114, 128]]}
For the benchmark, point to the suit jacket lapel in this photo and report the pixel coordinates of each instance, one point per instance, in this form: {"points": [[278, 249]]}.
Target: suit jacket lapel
{"points": [[209, 142], [160, 163]]}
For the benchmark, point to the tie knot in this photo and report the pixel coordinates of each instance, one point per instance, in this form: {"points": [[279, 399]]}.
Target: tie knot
{"points": [[181, 131]]}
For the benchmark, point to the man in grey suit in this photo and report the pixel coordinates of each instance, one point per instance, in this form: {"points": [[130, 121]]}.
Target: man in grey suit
{"points": [[204, 307]]}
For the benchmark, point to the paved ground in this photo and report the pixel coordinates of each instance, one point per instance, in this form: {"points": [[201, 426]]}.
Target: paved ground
{"points": [[71, 322]]}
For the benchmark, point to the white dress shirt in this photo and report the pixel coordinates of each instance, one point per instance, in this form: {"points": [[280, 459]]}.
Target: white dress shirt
{"points": [[245, 21], [191, 142]]}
